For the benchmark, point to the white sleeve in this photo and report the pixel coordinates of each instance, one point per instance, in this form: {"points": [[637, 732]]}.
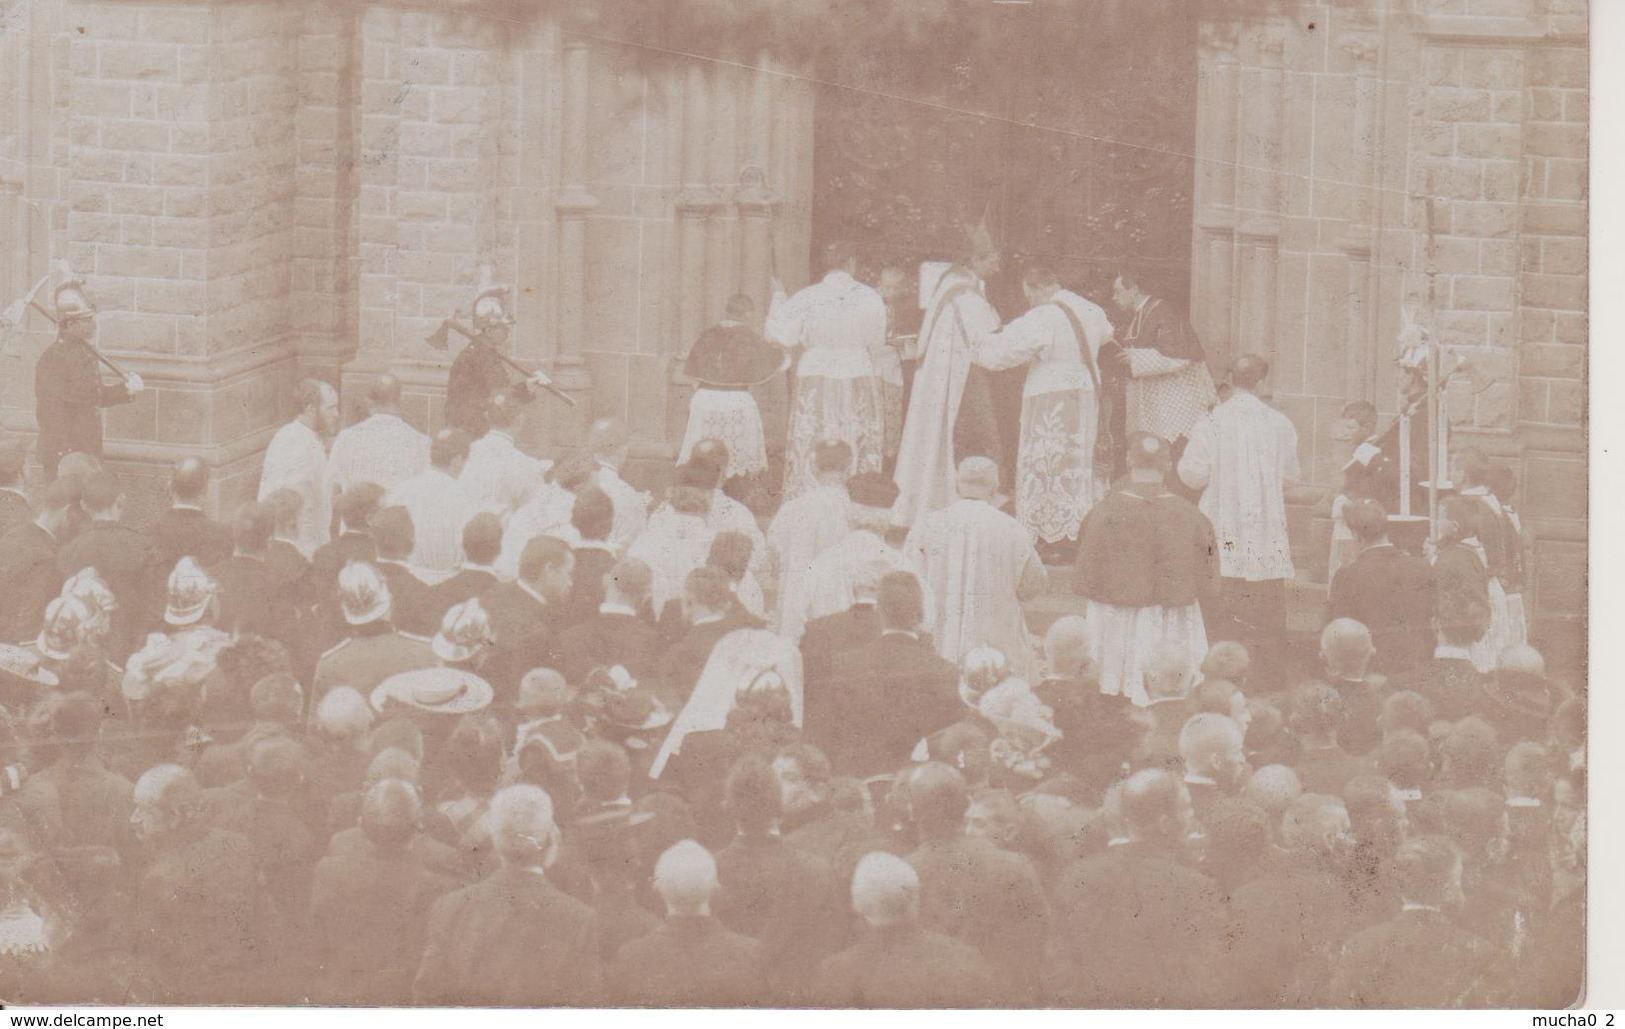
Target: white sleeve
{"points": [[1098, 328], [1194, 465], [786, 321], [1144, 362], [1015, 344]]}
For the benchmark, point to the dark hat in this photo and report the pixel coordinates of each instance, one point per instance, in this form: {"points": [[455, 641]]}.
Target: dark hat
{"points": [[871, 489]]}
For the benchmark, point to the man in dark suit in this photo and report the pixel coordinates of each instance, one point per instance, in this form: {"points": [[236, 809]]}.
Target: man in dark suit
{"points": [[711, 613], [199, 903], [1210, 746], [482, 542], [898, 963], [1287, 927], [120, 554], [15, 510], [354, 508], [1098, 732], [827, 638], [593, 517], [29, 578], [974, 891], [181, 530], [514, 939], [524, 615], [369, 910], [411, 608], [250, 599], [1451, 682], [1419, 958], [897, 688], [617, 633], [1387, 590], [1137, 926], [290, 568], [691, 960], [1346, 655], [1518, 700], [773, 892]]}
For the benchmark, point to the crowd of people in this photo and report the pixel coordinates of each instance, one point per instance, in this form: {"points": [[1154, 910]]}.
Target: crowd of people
{"points": [[434, 720], [493, 730]]}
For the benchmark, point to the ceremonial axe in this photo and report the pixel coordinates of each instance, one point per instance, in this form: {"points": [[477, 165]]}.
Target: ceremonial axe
{"points": [[17, 310], [440, 339]]}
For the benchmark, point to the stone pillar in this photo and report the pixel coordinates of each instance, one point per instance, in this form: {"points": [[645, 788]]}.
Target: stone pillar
{"points": [[696, 203], [181, 179], [573, 202], [1258, 193], [1360, 348], [1213, 252]]}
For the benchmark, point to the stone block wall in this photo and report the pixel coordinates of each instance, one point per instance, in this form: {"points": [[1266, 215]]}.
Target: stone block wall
{"points": [[1359, 160]]}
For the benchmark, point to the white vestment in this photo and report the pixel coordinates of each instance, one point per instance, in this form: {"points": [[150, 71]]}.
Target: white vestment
{"points": [[498, 477], [672, 545], [1242, 455], [440, 508], [382, 449], [297, 460], [828, 588], [957, 319], [546, 513], [729, 515], [1060, 405], [631, 506], [801, 531], [838, 396], [977, 565], [737, 660]]}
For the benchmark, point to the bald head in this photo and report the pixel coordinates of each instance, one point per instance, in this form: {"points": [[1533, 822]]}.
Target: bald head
{"points": [[188, 480], [1069, 648], [885, 890], [1346, 649], [1273, 788], [1249, 371], [522, 826], [1210, 746], [686, 877], [390, 813], [1317, 822], [1167, 671], [166, 797], [1151, 805], [978, 478], [384, 395], [608, 440]]}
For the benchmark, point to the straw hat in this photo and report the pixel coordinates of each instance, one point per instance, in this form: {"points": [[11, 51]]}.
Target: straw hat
{"points": [[446, 691]]}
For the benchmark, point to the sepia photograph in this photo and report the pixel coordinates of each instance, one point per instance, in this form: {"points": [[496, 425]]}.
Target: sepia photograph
{"points": [[947, 504]]}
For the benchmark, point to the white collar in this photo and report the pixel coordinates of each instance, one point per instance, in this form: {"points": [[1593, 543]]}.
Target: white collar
{"points": [[604, 545], [522, 584], [1413, 906], [1523, 802], [1444, 651], [185, 507], [501, 434], [729, 323], [1199, 780], [1475, 491], [470, 566], [911, 634], [707, 620], [609, 607]]}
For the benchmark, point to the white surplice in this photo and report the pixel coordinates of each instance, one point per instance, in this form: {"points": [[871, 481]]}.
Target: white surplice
{"points": [[440, 508], [498, 476], [828, 586], [977, 565], [546, 513], [1055, 478], [631, 506], [957, 319], [838, 321], [672, 545], [297, 460], [382, 449], [803, 529], [1242, 455]]}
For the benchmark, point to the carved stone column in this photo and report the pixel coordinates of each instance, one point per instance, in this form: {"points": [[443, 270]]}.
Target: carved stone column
{"points": [[1213, 248], [1360, 351], [756, 204], [573, 202], [1258, 191]]}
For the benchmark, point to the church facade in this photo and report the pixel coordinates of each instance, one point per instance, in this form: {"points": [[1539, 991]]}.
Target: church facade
{"points": [[257, 191]]}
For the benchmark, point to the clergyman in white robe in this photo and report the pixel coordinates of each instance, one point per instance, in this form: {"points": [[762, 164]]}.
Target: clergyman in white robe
{"points": [[803, 529], [978, 565], [838, 321], [957, 318], [297, 460], [1059, 339]]}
